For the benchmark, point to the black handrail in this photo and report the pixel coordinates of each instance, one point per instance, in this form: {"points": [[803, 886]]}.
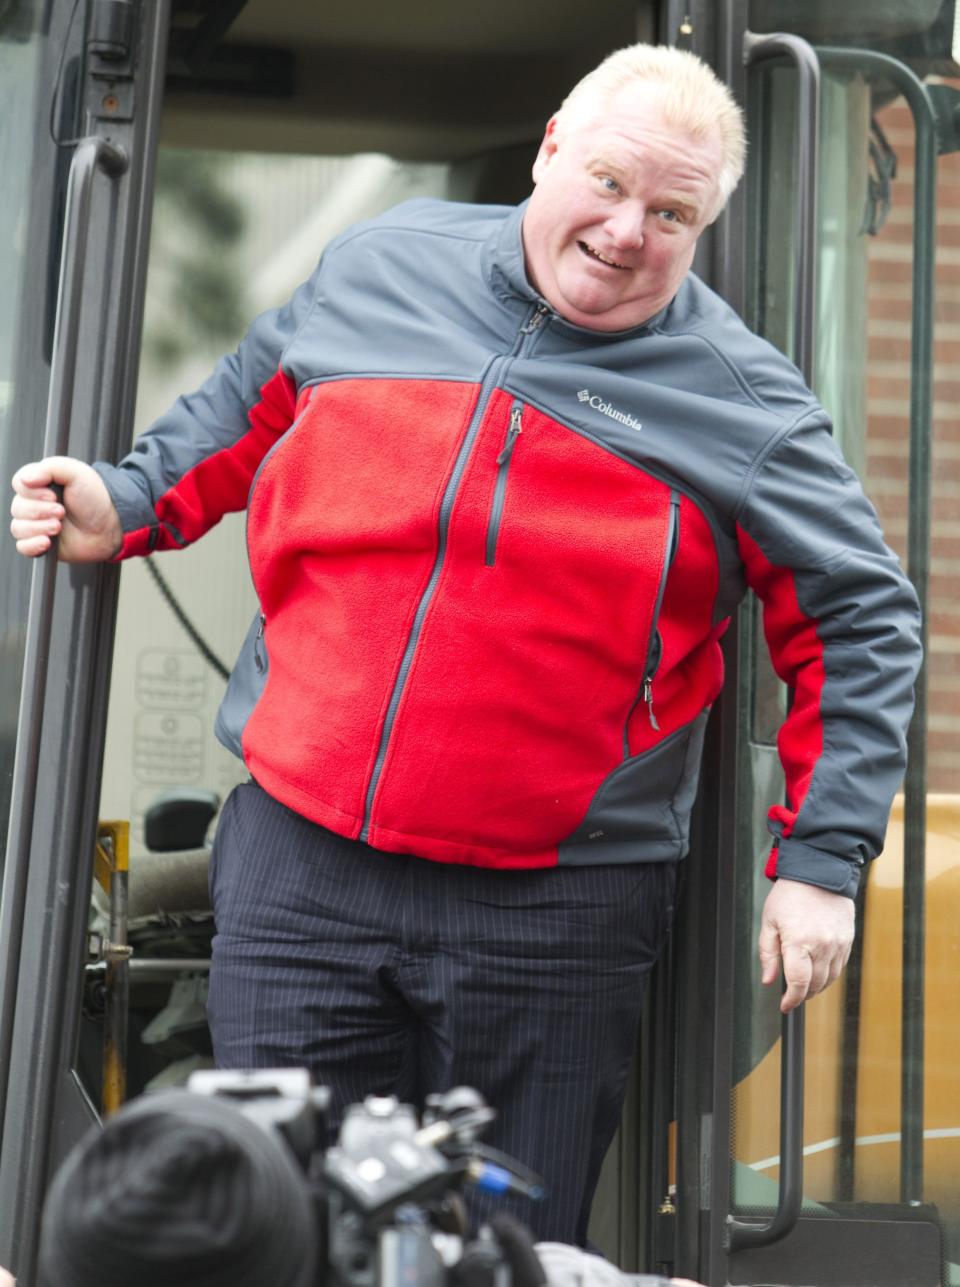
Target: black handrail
{"points": [[806, 162], [850, 1050], [46, 1107], [91, 155], [743, 1234], [896, 73]]}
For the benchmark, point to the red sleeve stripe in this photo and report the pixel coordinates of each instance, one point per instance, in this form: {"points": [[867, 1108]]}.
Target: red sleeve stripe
{"points": [[219, 484], [797, 655]]}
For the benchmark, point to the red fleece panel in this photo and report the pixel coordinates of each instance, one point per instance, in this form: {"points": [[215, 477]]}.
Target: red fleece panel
{"points": [[797, 656], [690, 673], [343, 534], [515, 705], [135, 544], [219, 485]]}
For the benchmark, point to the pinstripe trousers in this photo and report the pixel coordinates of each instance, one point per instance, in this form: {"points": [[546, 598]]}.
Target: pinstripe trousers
{"points": [[388, 974]]}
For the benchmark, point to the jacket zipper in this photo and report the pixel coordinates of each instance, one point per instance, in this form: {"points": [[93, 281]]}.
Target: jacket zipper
{"points": [[524, 342], [257, 659], [533, 323], [514, 429], [651, 663]]}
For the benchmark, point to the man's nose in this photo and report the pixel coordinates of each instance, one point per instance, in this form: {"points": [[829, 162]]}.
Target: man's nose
{"points": [[625, 226]]}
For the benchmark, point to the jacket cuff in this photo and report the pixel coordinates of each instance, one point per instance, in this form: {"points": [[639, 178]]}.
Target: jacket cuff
{"points": [[133, 507], [793, 860], [138, 521]]}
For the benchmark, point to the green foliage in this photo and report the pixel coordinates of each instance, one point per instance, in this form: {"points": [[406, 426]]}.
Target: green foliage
{"points": [[17, 20], [195, 295]]}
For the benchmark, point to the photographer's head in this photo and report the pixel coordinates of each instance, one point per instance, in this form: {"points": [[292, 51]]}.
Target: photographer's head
{"points": [[179, 1190]]}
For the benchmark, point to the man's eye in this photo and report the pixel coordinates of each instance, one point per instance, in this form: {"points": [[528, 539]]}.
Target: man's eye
{"points": [[611, 185], [671, 216]]}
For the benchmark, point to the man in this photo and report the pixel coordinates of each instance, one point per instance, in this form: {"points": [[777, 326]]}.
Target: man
{"points": [[509, 473]]}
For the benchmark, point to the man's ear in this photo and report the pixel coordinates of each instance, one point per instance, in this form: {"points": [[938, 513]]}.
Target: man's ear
{"points": [[548, 149]]}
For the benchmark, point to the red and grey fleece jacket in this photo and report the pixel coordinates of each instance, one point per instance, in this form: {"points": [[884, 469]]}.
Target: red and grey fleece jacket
{"points": [[495, 554]]}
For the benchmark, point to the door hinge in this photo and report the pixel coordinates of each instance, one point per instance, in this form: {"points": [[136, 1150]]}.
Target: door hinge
{"points": [[110, 60]]}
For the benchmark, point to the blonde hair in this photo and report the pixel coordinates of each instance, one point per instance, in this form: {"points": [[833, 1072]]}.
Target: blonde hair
{"points": [[694, 100]]}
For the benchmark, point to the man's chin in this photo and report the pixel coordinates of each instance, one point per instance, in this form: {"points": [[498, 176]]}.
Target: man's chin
{"points": [[587, 306], [599, 305], [606, 315], [604, 309]]}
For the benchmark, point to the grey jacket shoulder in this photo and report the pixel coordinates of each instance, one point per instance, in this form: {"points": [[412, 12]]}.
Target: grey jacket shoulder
{"points": [[430, 216], [769, 380]]}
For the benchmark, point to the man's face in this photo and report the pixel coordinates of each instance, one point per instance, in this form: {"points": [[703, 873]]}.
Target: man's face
{"points": [[619, 203]]}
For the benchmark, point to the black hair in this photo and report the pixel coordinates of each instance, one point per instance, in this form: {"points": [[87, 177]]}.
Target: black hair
{"points": [[179, 1190]]}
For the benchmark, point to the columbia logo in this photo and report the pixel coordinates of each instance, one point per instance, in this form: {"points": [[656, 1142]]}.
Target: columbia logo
{"points": [[598, 404]]}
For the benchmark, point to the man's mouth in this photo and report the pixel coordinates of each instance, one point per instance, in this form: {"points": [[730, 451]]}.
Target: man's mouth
{"points": [[595, 254]]}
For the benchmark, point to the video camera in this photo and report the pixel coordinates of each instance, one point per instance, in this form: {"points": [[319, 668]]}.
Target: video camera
{"points": [[388, 1193]]}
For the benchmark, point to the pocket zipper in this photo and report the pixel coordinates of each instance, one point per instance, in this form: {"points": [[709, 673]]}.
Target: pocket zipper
{"points": [[651, 663], [655, 647], [257, 659], [514, 429]]}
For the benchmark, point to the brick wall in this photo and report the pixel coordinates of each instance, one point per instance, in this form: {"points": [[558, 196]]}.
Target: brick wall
{"points": [[889, 300]]}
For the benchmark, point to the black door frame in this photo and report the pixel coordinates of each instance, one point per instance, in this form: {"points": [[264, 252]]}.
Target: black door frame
{"points": [[70, 631]]}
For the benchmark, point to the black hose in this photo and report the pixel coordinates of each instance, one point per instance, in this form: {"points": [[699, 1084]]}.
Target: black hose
{"points": [[204, 648]]}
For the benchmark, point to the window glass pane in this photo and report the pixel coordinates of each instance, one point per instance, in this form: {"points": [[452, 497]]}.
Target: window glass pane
{"points": [[19, 68], [23, 372]]}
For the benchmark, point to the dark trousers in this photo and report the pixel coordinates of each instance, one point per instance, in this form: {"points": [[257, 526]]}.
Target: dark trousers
{"points": [[387, 974]]}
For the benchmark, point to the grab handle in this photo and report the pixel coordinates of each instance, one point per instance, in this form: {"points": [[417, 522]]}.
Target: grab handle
{"points": [[806, 163], [743, 1234], [92, 155]]}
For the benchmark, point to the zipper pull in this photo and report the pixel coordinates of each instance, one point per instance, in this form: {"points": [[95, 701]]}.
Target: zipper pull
{"points": [[257, 659], [648, 698], [513, 433], [536, 321]]}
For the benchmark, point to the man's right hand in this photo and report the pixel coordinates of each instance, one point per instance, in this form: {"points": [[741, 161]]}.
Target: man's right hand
{"points": [[86, 521]]}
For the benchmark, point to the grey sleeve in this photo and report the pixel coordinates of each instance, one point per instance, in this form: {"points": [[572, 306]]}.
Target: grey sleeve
{"points": [[197, 461], [842, 624]]}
